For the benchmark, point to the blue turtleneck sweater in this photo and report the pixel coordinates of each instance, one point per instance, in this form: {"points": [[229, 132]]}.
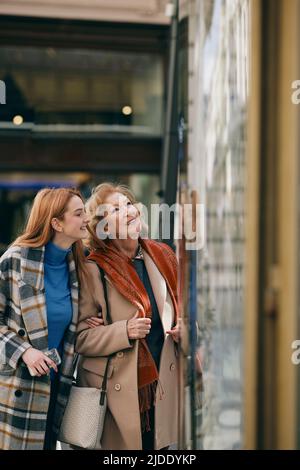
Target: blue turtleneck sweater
{"points": [[58, 294]]}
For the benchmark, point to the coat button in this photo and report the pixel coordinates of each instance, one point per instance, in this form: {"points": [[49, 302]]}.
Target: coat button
{"points": [[18, 393], [21, 332], [117, 387], [172, 367], [120, 354]]}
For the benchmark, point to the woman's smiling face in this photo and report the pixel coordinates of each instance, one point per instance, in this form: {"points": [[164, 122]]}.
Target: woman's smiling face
{"points": [[74, 222], [122, 217]]}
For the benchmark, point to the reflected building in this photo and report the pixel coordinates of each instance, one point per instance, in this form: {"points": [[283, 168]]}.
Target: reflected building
{"points": [[218, 98]]}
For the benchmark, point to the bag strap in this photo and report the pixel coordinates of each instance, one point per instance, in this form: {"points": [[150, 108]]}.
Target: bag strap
{"points": [[108, 316], [109, 321]]}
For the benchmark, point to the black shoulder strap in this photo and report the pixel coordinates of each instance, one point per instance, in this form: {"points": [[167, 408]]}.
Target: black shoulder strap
{"points": [[102, 274], [109, 321]]}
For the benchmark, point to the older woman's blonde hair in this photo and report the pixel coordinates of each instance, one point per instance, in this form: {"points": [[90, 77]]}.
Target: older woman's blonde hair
{"points": [[98, 197]]}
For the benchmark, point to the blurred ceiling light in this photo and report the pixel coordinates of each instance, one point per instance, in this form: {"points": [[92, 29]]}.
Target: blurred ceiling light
{"points": [[127, 110], [18, 120], [51, 52]]}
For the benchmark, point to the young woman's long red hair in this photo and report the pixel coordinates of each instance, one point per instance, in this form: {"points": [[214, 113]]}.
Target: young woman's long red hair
{"points": [[51, 203]]}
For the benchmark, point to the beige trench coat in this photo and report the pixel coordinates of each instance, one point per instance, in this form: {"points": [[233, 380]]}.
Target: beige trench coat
{"points": [[122, 428]]}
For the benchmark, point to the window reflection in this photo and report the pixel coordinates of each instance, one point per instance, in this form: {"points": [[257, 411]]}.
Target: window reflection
{"points": [[223, 95]]}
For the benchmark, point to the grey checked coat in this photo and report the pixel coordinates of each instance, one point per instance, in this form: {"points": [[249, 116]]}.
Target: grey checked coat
{"points": [[24, 400]]}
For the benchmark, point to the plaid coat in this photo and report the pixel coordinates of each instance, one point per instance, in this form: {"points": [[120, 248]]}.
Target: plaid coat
{"points": [[24, 400]]}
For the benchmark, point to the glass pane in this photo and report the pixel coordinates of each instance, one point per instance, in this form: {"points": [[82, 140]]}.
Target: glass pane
{"points": [[222, 90]]}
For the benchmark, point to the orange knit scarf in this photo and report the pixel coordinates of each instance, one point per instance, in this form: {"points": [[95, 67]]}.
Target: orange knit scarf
{"points": [[121, 272]]}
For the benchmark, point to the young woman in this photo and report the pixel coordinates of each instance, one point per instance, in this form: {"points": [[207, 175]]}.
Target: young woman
{"points": [[141, 281], [39, 283]]}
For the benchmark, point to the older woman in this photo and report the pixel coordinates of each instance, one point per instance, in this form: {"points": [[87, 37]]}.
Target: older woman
{"points": [[141, 283]]}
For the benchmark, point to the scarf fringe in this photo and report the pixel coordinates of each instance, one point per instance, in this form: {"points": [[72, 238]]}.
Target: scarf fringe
{"points": [[147, 396], [145, 422]]}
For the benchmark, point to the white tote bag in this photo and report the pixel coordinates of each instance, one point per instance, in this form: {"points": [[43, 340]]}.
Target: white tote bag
{"points": [[83, 421]]}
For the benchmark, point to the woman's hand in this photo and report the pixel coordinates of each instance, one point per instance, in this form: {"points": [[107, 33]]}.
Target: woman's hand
{"points": [[138, 328], [176, 331], [38, 361], [93, 322]]}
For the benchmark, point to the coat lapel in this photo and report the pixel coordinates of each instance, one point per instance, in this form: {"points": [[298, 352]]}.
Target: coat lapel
{"points": [[33, 300], [32, 296], [32, 266], [160, 292]]}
